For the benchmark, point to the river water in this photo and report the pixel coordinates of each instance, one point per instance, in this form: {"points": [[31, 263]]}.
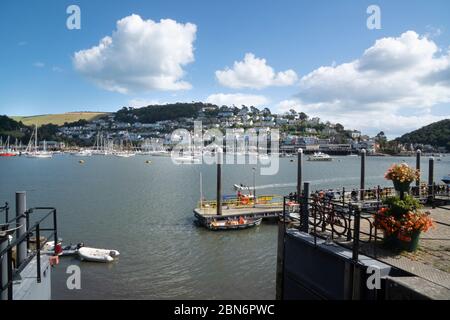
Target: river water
{"points": [[145, 212]]}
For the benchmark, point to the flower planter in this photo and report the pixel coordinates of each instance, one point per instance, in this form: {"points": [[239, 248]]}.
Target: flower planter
{"points": [[392, 242], [401, 186]]}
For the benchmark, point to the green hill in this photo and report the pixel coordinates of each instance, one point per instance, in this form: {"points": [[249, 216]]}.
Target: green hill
{"points": [[436, 134], [58, 119]]}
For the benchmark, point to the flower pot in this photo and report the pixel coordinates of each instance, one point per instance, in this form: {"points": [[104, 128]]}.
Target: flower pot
{"points": [[401, 186], [392, 242]]}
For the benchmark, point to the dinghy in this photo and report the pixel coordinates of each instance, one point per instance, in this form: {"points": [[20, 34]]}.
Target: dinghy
{"points": [[97, 255], [235, 224]]}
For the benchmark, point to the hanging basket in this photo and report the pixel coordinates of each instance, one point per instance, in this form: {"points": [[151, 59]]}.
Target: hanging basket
{"points": [[401, 186]]}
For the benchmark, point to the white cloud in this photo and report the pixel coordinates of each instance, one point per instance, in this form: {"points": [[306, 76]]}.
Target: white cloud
{"points": [[39, 64], [237, 99], [254, 73], [396, 82], [138, 102], [57, 69], [371, 121], [140, 55]]}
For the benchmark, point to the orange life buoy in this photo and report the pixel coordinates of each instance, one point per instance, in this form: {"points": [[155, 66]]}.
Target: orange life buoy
{"points": [[244, 200]]}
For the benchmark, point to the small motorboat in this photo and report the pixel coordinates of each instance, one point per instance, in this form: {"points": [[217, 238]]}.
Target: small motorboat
{"points": [[234, 224], [320, 156], [97, 255]]}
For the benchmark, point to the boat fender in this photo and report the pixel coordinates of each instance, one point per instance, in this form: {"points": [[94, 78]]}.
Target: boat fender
{"points": [[54, 260]]}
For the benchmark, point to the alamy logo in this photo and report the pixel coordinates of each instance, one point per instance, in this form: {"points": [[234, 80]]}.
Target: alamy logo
{"points": [[248, 146], [374, 280], [73, 22], [74, 280], [374, 20]]}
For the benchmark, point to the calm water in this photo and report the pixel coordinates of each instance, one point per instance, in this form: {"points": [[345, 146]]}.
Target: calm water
{"points": [[145, 212]]}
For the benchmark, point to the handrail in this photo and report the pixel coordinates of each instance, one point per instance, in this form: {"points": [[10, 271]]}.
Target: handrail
{"points": [[36, 227]]}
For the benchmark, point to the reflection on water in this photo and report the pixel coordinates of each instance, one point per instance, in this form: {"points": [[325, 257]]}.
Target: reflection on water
{"points": [[145, 212]]}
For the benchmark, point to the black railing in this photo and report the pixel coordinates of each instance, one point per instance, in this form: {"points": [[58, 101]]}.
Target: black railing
{"points": [[5, 209], [35, 229], [334, 220]]}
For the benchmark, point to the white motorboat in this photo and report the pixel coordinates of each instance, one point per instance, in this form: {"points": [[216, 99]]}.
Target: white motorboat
{"points": [[83, 153], [320, 156], [97, 255], [124, 154], [186, 160]]}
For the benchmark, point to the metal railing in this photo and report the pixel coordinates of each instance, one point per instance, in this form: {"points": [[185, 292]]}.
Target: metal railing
{"points": [[5, 209], [36, 229], [344, 223], [244, 202]]}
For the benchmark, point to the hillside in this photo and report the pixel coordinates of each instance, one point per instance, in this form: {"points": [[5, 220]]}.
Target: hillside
{"points": [[58, 119], [155, 113], [10, 127], [436, 134]]}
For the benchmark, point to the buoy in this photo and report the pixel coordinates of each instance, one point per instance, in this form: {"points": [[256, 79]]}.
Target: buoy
{"points": [[148, 161], [81, 161]]}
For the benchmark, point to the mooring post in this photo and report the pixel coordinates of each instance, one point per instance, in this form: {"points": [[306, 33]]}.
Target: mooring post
{"points": [[363, 174], [219, 183], [280, 253], [430, 179], [21, 207], [304, 217], [418, 154], [299, 173]]}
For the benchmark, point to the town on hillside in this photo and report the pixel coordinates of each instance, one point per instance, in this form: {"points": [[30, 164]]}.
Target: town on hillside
{"points": [[151, 128]]}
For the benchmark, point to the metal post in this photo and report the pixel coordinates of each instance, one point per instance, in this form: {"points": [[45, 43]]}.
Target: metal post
{"points": [[38, 253], [6, 212], [280, 254], [363, 174], [254, 186], [299, 173], [418, 154], [219, 188], [55, 230], [10, 274], [3, 269], [21, 205], [430, 179], [356, 224], [304, 217]]}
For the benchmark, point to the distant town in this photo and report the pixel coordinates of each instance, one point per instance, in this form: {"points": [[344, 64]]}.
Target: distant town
{"points": [[147, 127]]}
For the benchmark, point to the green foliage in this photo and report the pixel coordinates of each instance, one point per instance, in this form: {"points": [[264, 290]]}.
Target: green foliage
{"points": [[8, 124], [154, 113], [400, 207], [436, 134]]}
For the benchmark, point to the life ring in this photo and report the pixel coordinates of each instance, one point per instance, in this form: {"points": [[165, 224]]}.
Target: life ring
{"points": [[244, 200]]}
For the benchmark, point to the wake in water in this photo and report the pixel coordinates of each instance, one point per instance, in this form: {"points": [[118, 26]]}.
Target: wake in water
{"points": [[315, 182]]}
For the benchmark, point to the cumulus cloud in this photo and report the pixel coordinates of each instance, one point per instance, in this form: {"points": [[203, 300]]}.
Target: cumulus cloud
{"points": [[254, 73], [237, 99], [140, 55], [395, 82], [140, 102]]}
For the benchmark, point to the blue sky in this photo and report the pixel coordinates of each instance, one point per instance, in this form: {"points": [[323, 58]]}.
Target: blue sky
{"points": [[38, 74]]}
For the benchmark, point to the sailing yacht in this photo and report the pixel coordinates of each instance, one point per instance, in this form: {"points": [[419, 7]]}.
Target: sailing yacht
{"points": [[36, 153], [6, 150]]}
